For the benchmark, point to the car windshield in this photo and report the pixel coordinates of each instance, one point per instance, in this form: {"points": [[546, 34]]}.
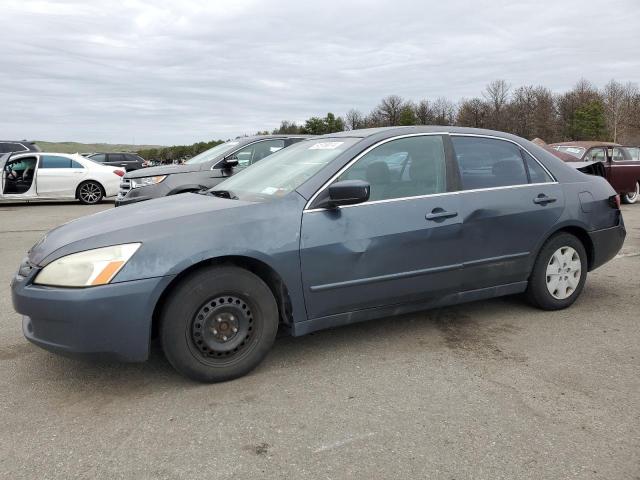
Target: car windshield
{"points": [[575, 151], [283, 171], [213, 152]]}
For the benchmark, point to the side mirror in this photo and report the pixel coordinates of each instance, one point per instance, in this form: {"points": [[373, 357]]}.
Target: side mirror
{"points": [[231, 162], [348, 192]]}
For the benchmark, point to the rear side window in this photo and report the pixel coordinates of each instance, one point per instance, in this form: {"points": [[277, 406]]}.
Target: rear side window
{"points": [[116, 157], [488, 163], [100, 157], [75, 164], [595, 155], [537, 174], [133, 158], [52, 161]]}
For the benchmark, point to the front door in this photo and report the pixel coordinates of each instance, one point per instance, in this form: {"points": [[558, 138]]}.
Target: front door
{"points": [[509, 202], [401, 246]]}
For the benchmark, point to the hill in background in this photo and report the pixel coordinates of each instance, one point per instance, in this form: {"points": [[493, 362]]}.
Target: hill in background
{"points": [[75, 147]]}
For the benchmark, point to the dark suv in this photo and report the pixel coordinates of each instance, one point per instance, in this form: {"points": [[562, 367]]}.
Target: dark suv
{"points": [[205, 170], [130, 161], [10, 146]]}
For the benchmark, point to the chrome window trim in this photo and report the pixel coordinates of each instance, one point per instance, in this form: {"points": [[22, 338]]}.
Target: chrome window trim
{"points": [[386, 140], [457, 192]]}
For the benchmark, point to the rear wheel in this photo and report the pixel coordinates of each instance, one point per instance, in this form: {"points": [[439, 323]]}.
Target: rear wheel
{"points": [[632, 197], [90, 193], [218, 324], [559, 273]]}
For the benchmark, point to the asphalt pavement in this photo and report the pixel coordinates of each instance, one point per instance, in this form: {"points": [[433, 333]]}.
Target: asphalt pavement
{"points": [[488, 390]]}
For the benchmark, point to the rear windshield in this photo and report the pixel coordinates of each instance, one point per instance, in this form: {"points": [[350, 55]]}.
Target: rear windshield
{"points": [[575, 151]]}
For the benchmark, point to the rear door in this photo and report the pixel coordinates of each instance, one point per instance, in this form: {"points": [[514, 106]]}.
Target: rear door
{"points": [[509, 203], [58, 176], [624, 171], [401, 246]]}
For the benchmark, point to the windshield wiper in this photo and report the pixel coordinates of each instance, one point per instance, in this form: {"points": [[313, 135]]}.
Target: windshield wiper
{"points": [[222, 194]]}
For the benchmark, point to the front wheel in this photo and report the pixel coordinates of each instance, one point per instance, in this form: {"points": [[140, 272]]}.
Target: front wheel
{"points": [[218, 324], [90, 193], [559, 273], [632, 197]]}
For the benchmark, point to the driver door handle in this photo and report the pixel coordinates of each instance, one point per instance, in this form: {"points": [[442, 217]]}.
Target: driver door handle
{"points": [[542, 199], [440, 214]]}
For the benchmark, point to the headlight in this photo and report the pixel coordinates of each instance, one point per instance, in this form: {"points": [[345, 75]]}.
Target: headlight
{"points": [[89, 268], [144, 181]]}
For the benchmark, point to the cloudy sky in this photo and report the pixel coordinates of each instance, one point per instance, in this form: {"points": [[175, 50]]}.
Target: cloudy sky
{"points": [[172, 72]]}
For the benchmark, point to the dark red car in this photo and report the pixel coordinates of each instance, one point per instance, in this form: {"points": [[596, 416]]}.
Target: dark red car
{"points": [[619, 166]]}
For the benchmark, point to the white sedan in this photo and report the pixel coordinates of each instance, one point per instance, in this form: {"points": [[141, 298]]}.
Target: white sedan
{"points": [[56, 176]]}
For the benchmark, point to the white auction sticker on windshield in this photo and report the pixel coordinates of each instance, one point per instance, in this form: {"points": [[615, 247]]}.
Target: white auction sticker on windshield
{"points": [[325, 145]]}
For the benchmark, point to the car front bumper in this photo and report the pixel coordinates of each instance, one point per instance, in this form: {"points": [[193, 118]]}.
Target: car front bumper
{"points": [[109, 321], [607, 243]]}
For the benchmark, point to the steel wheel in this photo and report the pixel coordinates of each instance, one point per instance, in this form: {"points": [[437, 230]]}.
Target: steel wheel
{"points": [[632, 197], [90, 193], [564, 271], [222, 328]]}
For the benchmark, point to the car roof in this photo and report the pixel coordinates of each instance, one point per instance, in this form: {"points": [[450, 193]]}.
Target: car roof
{"points": [[584, 144], [383, 132]]}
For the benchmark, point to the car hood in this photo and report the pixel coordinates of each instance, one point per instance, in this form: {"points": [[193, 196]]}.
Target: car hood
{"points": [[132, 223], [164, 170]]}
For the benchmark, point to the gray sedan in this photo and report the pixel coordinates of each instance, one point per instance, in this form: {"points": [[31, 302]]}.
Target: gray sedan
{"points": [[330, 231]]}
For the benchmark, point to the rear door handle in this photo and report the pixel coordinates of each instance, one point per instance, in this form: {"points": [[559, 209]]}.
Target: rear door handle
{"points": [[542, 199], [440, 214]]}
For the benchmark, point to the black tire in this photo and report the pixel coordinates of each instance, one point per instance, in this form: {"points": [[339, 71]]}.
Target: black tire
{"points": [[632, 197], [537, 291], [188, 325], [90, 193]]}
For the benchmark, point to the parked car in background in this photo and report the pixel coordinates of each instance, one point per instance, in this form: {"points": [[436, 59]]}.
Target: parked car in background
{"points": [[324, 233], [610, 160], [56, 176], [128, 161], [9, 146], [634, 152], [202, 171]]}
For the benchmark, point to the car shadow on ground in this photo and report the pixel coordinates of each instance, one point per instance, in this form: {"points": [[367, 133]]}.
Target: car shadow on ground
{"points": [[471, 329]]}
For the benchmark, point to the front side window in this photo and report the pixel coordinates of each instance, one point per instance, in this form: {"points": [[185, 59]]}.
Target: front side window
{"points": [[53, 161], [406, 167], [488, 163], [595, 155], [257, 151]]}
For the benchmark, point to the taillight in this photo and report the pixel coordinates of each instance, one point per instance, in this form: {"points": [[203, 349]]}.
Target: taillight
{"points": [[614, 201], [120, 173]]}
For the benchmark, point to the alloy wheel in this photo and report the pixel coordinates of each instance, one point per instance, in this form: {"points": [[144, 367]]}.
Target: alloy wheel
{"points": [[90, 193]]}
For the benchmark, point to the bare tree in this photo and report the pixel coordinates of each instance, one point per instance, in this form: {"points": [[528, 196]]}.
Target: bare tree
{"points": [[472, 113], [389, 110], [444, 111], [354, 119], [617, 100], [496, 95], [424, 113]]}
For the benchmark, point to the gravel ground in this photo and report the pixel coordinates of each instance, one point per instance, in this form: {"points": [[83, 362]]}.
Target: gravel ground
{"points": [[487, 390]]}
